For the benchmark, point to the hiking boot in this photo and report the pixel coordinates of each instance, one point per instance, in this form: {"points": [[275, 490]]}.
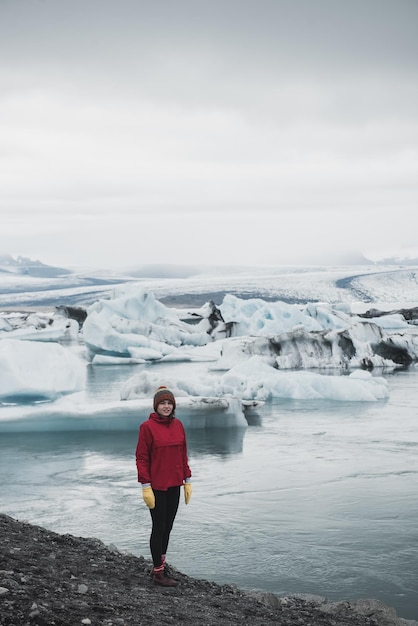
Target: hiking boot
{"points": [[167, 572], [159, 578]]}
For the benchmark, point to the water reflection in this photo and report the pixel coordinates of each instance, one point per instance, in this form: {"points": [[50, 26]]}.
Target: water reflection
{"points": [[118, 442], [221, 442], [216, 441]]}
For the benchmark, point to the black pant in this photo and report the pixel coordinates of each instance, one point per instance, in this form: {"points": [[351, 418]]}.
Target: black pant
{"points": [[163, 516]]}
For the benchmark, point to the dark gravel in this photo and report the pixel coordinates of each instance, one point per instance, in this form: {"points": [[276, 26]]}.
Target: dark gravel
{"points": [[47, 578]]}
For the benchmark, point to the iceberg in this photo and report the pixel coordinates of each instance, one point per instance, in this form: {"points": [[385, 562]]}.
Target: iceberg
{"points": [[134, 326], [253, 381], [237, 356], [74, 414], [36, 371], [38, 327]]}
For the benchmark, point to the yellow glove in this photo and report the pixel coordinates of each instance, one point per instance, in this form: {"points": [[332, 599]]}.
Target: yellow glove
{"points": [[148, 497], [187, 492]]}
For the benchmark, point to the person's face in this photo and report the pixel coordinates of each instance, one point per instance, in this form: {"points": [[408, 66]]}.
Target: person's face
{"points": [[165, 408]]}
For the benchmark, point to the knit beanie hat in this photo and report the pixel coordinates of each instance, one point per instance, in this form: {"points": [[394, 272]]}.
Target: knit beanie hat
{"points": [[163, 393]]}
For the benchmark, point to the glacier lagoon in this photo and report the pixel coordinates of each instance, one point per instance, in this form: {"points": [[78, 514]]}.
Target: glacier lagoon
{"points": [[313, 497]]}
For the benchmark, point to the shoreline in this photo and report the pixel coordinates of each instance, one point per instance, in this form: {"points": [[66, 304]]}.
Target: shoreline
{"points": [[51, 579]]}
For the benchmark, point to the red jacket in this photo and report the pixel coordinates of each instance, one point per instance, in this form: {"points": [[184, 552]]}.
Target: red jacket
{"points": [[161, 453]]}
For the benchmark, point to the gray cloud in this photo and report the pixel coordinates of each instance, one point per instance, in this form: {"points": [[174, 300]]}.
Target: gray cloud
{"points": [[205, 111]]}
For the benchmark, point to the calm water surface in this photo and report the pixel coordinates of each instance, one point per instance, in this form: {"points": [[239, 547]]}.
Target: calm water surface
{"points": [[314, 497]]}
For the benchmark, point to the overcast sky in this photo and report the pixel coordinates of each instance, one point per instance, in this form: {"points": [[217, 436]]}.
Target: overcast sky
{"points": [[217, 131]]}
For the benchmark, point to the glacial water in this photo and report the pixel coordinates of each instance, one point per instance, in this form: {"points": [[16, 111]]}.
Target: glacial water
{"points": [[314, 497]]}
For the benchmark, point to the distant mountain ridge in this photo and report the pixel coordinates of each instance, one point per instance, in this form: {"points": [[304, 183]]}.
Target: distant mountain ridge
{"points": [[27, 267], [24, 266], [401, 256], [398, 260]]}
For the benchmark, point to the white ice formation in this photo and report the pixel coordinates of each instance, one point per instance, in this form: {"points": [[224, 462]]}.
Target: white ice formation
{"points": [[246, 351]]}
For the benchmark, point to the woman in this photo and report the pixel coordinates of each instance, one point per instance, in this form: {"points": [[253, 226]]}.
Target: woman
{"points": [[163, 467]]}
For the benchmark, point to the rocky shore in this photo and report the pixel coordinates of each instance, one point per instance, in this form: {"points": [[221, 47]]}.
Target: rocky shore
{"points": [[62, 580]]}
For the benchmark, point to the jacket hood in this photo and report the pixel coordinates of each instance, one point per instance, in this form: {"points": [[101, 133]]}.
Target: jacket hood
{"points": [[161, 420]]}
